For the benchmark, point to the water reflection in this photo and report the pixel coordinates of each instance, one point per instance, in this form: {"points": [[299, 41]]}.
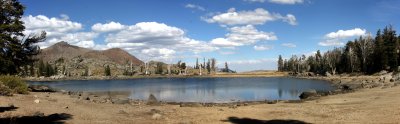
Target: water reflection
{"points": [[200, 89]]}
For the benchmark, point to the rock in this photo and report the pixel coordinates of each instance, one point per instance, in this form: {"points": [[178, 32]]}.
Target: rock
{"points": [[382, 72], [41, 88], [308, 94], [152, 100], [122, 112], [272, 101], [311, 74], [36, 101], [328, 74], [121, 101], [66, 107], [155, 111], [192, 104], [156, 116]]}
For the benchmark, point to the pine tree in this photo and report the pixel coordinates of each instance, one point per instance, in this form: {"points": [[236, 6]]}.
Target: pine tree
{"points": [[107, 70], [280, 63], [41, 68], [16, 48], [391, 45], [197, 63]]}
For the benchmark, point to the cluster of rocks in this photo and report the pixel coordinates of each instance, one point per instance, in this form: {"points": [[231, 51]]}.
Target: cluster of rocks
{"points": [[346, 84], [41, 88]]}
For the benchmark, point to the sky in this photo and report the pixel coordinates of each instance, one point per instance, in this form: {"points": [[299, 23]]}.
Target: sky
{"points": [[247, 34]]}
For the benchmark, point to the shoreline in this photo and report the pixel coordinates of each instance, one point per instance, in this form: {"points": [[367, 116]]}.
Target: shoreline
{"points": [[234, 75], [337, 107]]}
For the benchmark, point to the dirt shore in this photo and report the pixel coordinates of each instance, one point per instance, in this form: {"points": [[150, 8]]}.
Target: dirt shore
{"points": [[366, 105]]}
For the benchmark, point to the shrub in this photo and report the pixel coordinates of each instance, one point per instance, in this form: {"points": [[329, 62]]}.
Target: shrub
{"points": [[4, 90], [15, 84]]}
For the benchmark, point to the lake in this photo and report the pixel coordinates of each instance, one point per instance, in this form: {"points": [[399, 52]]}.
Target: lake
{"points": [[215, 90]]}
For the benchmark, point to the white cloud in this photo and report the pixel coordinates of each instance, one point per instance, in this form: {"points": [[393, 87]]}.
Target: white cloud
{"points": [[58, 29], [286, 1], [258, 16], [291, 19], [248, 35], [262, 47], [252, 64], [193, 6], [152, 40], [243, 35], [108, 27], [346, 33], [222, 42], [159, 53], [226, 52], [291, 45], [334, 38], [331, 42]]}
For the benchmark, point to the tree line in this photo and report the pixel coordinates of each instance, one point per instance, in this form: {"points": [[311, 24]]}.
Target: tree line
{"points": [[365, 54]]}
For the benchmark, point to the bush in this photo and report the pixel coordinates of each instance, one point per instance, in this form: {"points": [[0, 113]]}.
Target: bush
{"points": [[15, 84], [4, 90]]}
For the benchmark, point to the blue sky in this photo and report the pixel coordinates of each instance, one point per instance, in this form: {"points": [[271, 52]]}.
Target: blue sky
{"points": [[248, 34]]}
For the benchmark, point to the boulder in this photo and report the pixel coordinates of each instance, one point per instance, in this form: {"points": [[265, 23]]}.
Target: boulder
{"points": [[382, 72], [41, 88], [328, 74], [152, 100], [156, 116], [308, 94], [311, 74], [36, 101], [191, 104]]}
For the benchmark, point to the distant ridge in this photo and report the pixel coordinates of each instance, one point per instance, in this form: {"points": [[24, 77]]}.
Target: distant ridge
{"points": [[67, 52]]}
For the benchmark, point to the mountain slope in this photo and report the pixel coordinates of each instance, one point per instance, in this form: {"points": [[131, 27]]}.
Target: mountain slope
{"points": [[68, 52]]}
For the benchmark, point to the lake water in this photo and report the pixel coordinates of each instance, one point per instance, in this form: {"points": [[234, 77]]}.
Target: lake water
{"points": [[200, 89]]}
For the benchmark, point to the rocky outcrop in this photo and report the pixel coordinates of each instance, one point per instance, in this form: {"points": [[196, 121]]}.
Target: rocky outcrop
{"points": [[152, 100], [308, 94], [41, 88]]}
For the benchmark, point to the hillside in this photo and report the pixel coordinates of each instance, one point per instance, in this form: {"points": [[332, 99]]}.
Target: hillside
{"points": [[68, 52], [74, 61]]}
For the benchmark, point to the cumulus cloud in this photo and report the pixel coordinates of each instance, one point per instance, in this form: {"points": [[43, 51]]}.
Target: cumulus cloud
{"points": [[291, 45], [146, 37], [262, 47], [249, 35], [258, 16], [54, 27], [334, 38], [286, 1], [252, 64], [243, 35], [346, 33], [331, 42], [193, 6], [146, 40], [108, 27], [58, 29], [222, 42]]}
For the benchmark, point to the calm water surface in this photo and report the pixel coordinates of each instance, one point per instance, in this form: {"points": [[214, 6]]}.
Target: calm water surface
{"points": [[200, 89]]}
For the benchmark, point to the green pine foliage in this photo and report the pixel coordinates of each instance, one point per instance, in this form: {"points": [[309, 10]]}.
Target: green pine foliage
{"points": [[17, 50], [366, 55]]}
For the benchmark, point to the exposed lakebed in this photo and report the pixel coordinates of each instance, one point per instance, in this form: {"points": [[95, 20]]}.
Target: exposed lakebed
{"points": [[216, 90]]}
